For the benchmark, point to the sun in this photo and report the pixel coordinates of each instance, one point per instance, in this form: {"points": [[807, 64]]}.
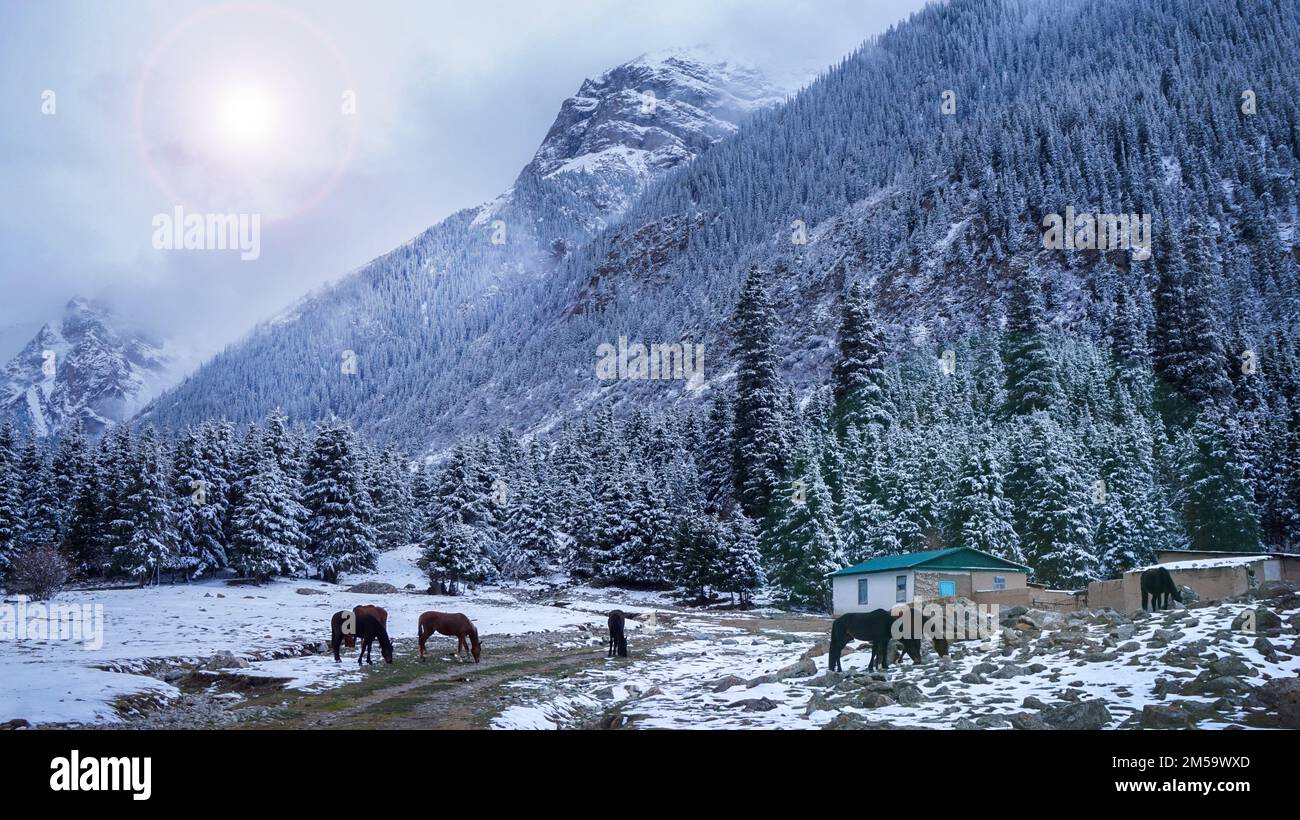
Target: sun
{"points": [[245, 116]]}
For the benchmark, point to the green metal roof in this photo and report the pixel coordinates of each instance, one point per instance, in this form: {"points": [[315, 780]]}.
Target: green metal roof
{"points": [[951, 558]]}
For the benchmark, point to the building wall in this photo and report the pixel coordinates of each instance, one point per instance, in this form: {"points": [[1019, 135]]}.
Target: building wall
{"points": [[927, 583], [1108, 594], [982, 580], [1290, 568], [1210, 583], [1011, 596], [880, 591]]}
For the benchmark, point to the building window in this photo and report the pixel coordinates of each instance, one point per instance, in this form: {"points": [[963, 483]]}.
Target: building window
{"points": [[900, 589], [999, 582], [862, 591], [947, 589]]}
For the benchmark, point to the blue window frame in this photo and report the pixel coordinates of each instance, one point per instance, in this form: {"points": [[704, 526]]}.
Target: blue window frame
{"points": [[947, 588], [999, 582]]}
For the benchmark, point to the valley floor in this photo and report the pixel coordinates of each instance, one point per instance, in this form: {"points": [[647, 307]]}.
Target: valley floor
{"points": [[212, 655]]}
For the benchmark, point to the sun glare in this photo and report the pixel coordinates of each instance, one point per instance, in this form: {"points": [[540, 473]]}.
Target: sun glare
{"points": [[245, 116]]}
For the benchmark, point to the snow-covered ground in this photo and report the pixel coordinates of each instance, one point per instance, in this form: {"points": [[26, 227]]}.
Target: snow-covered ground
{"points": [[677, 686], [58, 681]]}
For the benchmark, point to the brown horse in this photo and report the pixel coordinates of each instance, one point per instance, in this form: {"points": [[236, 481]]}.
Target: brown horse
{"points": [[367, 622], [452, 624]]}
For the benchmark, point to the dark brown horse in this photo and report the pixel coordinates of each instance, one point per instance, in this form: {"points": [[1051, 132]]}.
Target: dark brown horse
{"points": [[1158, 586], [366, 622], [877, 628], [617, 638], [453, 624]]}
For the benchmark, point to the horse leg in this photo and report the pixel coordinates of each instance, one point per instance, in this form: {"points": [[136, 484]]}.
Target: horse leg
{"points": [[423, 638]]}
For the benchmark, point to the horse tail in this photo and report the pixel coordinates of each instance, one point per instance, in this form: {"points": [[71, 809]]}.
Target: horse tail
{"points": [[838, 641]]}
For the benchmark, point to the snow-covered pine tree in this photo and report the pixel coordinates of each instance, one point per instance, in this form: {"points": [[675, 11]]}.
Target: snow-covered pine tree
{"points": [[268, 539], [40, 500], [742, 561], [340, 536], [982, 517], [1030, 367], [144, 534], [861, 397], [11, 517], [759, 413], [1218, 505], [800, 542], [453, 553], [1056, 533]]}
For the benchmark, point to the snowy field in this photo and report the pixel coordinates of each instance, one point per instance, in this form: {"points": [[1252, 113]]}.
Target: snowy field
{"points": [[60, 681]]}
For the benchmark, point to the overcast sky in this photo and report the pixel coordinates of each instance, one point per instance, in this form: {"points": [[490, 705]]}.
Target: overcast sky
{"points": [[217, 105]]}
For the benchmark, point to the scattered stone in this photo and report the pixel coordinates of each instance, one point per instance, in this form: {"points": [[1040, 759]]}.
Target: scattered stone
{"points": [[908, 694], [818, 703], [1131, 646], [16, 723], [1084, 714], [1025, 720], [1033, 702], [992, 722], [309, 591], [875, 700], [754, 704], [1008, 671], [726, 682], [1166, 716], [973, 677], [1265, 619], [225, 659], [1232, 665], [372, 588]]}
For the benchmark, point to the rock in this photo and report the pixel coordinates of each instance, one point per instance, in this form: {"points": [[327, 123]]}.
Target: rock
{"points": [[754, 704], [1207, 683], [1011, 613], [1122, 632], [1231, 665], [1280, 696], [818, 703], [849, 720], [1084, 714], [731, 642], [726, 682], [965, 724], [803, 669], [875, 700], [1264, 619], [224, 659], [1033, 702], [1166, 716], [1025, 720], [1042, 619], [373, 588], [1131, 646], [908, 694], [973, 677], [1276, 589], [984, 668], [309, 591], [1008, 671], [16, 723], [992, 722], [1190, 596], [820, 648]]}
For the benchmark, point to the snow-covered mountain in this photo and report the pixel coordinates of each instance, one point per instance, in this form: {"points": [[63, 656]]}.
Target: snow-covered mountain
{"points": [[623, 129], [403, 315], [86, 365]]}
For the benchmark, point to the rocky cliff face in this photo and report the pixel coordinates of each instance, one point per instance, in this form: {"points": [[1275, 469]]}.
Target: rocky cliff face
{"points": [[84, 366]]}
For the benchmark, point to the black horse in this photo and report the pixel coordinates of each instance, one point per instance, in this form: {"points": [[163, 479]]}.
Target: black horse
{"points": [[1159, 586], [367, 623], [617, 640], [876, 627]]}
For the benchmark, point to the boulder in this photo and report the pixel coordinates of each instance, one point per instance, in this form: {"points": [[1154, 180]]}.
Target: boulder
{"points": [[1207, 683], [973, 677], [1190, 596], [1083, 714], [875, 700], [992, 722], [818, 703], [1026, 720], [1282, 697], [1231, 665], [309, 591], [908, 694], [1166, 716], [1264, 619], [754, 704], [726, 682], [1275, 589], [1033, 702], [225, 659], [372, 588], [16, 723], [1008, 671]]}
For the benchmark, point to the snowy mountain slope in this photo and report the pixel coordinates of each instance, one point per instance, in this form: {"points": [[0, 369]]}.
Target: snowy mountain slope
{"points": [[940, 215], [88, 367], [413, 312]]}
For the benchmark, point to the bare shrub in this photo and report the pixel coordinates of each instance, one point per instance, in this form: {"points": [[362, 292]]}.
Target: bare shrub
{"points": [[38, 572]]}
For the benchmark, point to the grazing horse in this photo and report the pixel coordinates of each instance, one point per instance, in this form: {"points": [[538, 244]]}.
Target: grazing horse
{"points": [[1159, 585], [453, 624], [365, 622], [617, 639], [876, 627]]}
